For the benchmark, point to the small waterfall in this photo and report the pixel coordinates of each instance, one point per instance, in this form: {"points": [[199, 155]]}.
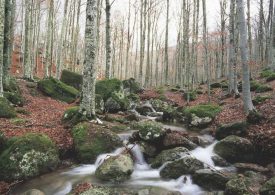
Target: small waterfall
{"points": [[204, 154], [140, 162]]}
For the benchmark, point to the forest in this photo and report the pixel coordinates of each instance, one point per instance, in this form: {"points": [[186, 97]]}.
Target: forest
{"points": [[137, 97]]}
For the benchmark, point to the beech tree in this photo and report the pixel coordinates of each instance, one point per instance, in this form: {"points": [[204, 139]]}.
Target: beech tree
{"points": [[87, 106], [2, 22]]}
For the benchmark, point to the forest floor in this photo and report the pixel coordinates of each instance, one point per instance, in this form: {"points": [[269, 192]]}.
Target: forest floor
{"points": [[41, 114]]}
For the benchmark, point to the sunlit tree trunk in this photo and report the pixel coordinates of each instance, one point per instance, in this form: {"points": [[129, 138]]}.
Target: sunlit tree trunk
{"points": [[2, 22], [87, 106], [248, 105]]}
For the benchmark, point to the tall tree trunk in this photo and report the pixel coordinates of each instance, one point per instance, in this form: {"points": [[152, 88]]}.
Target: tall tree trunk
{"points": [[108, 39], [248, 105], [166, 59], [87, 106], [2, 22]]}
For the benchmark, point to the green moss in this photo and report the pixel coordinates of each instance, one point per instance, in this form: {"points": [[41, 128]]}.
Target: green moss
{"points": [[132, 85], [203, 110], [106, 87], [18, 121], [14, 98], [3, 141], [23, 111], [268, 188], [121, 100], [11, 86], [266, 73], [6, 110], [263, 88], [119, 128], [58, 90], [28, 156], [133, 97], [72, 79], [192, 95], [149, 130], [260, 99], [91, 141], [271, 77], [160, 90], [72, 116], [254, 85]]}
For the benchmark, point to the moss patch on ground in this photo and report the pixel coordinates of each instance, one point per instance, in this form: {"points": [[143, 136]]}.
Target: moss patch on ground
{"points": [[6, 110]]}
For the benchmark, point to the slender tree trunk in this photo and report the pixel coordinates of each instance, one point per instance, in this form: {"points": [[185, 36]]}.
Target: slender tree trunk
{"points": [[108, 39], [2, 22], [248, 105], [87, 106], [166, 59]]}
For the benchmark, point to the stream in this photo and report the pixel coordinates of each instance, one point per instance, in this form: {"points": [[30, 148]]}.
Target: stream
{"points": [[61, 182]]}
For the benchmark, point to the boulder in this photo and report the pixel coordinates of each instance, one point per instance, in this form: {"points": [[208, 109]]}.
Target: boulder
{"points": [[132, 85], [91, 140], [112, 106], [6, 110], [106, 87], [149, 130], [184, 166], [235, 149], [117, 102], [200, 122], [3, 141], [98, 190], [116, 169], [243, 167], [177, 139], [33, 192], [219, 161], [28, 156], [238, 129], [15, 98], [210, 180], [238, 186], [254, 117], [268, 188], [147, 149], [72, 79], [58, 90], [168, 155]]}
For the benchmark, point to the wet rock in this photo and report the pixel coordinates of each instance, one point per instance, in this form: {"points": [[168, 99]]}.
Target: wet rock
{"points": [[200, 122], [28, 156], [238, 129], [147, 149], [178, 139], [243, 167], [184, 166], [96, 190], [116, 169], [202, 141], [219, 161], [92, 140], [33, 192], [210, 180], [214, 193], [235, 149], [156, 191], [168, 155], [149, 130], [268, 188]]}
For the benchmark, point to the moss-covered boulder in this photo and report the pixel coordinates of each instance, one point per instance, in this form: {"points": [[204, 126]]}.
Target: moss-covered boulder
{"points": [[149, 130], [132, 86], [117, 102], [268, 188], [168, 155], [210, 179], [15, 98], [116, 169], [58, 90], [3, 141], [238, 186], [184, 166], [72, 116], [28, 156], [91, 140], [98, 190], [254, 117], [235, 149], [6, 110], [72, 79], [238, 128], [106, 87]]}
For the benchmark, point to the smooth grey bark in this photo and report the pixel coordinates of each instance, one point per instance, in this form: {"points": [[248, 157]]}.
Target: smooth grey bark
{"points": [[166, 44], [249, 28], [87, 105], [2, 22], [269, 25], [248, 105], [272, 65], [27, 63], [108, 39], [8, 37], [61, 42]]}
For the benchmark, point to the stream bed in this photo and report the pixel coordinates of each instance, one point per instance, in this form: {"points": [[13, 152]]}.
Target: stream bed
{"points": [[61, 182]]}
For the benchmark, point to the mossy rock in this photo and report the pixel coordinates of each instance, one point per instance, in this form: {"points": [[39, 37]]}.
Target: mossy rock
{"points": [[260, 99], [99, 104], [11, 86], [28, 156], [6, 110], [237, 128], [58, 90], [268, 188], [149, 130], [72, 79], [235, 149], [91, 141], [72, 116], [15, 98], [3, 141], [202, 111], [121, 100], [254, 117], [134, 98], [168, 155], [238, 186], [132, 85], [106, 87], [98, 190], [263, 88]]}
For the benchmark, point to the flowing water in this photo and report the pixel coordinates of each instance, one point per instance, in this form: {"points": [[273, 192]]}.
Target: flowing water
{"points": [[61, 182]]}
